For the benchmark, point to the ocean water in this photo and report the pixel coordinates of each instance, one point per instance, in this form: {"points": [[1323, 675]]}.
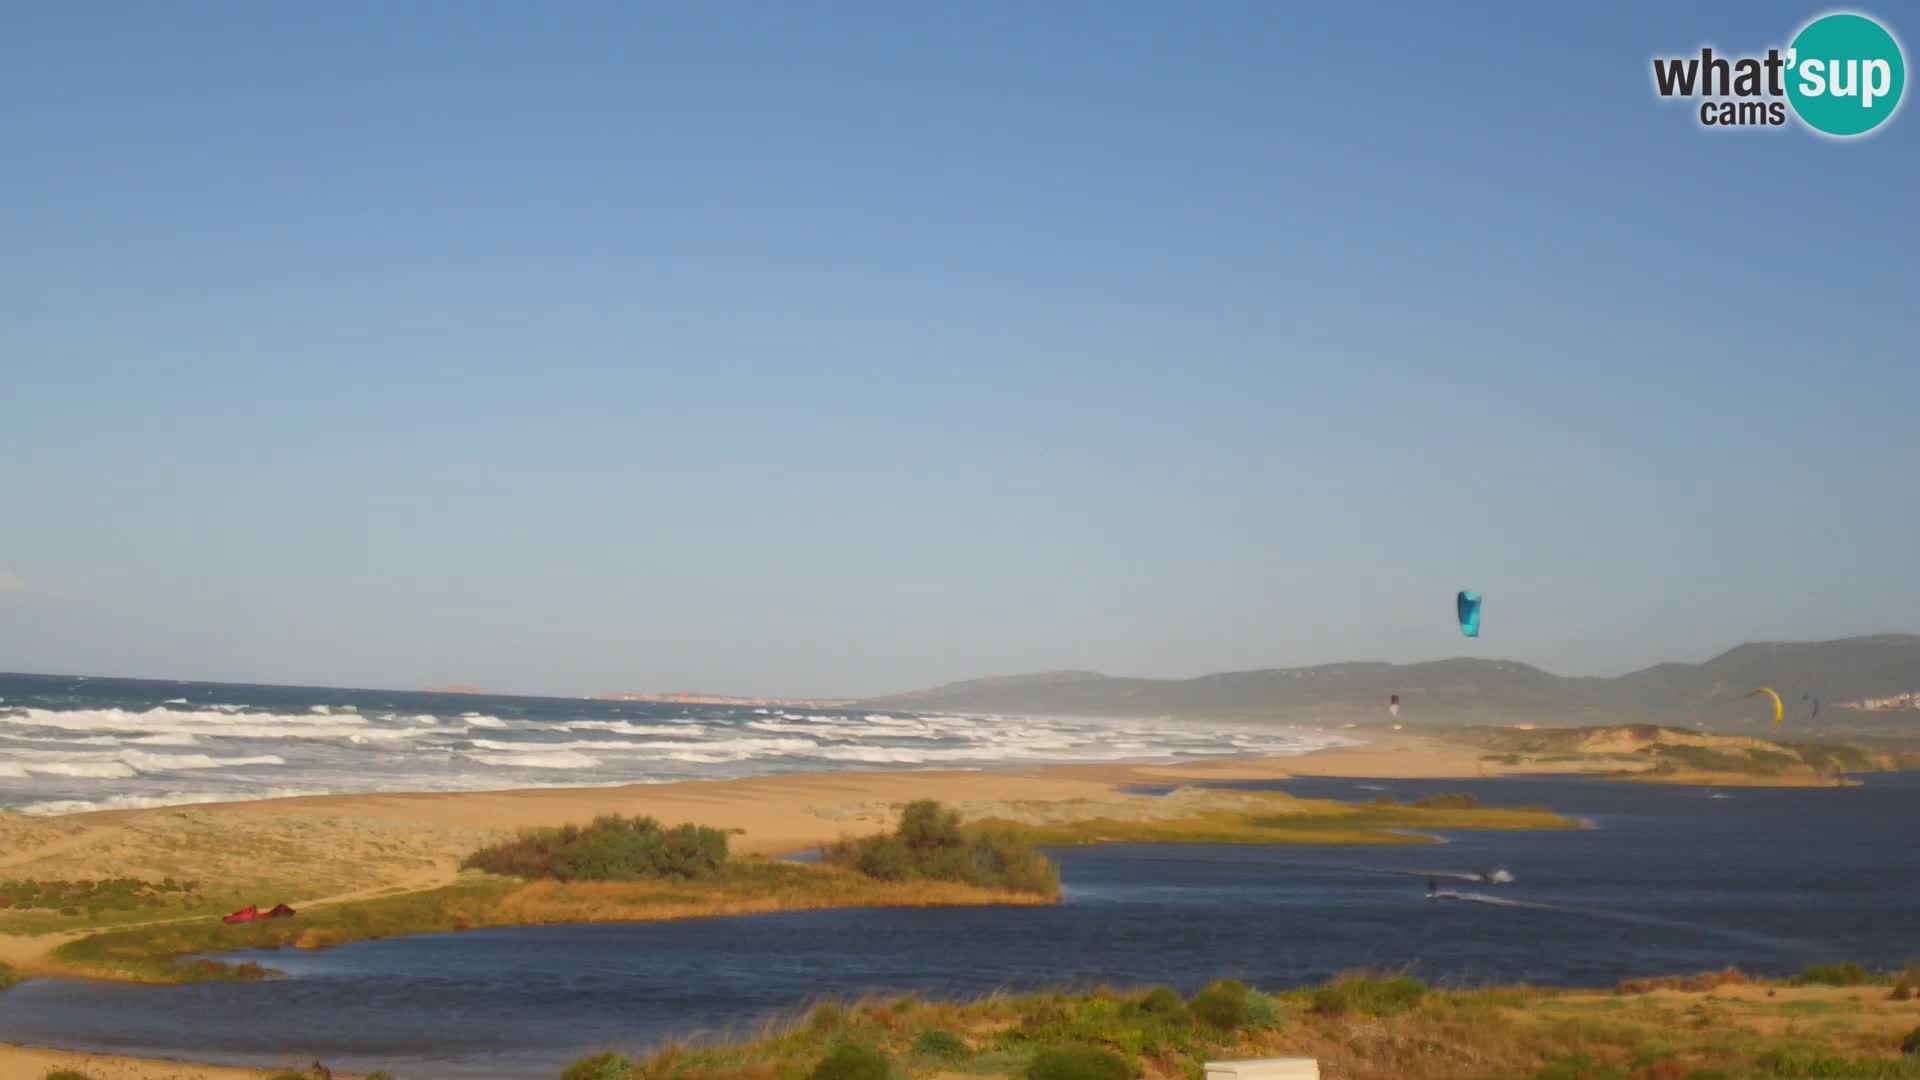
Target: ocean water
{"points": [[71, 744], [1669, 880]]}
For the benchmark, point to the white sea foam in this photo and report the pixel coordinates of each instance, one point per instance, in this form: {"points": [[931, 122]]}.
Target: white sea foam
{"points": [[213, 723], [76, 770], [553, 759], [66, 760], [121, 764], [628, 727], [175, 701], [144, 802]]}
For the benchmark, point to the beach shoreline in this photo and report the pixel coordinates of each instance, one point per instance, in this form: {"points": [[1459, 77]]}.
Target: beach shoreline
{"points": [[399, 843], [319, 850]]}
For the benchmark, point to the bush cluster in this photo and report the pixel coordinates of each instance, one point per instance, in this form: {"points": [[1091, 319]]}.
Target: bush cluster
{"points": [[94, 897], [1368, 996], [1078, 1063], [929, 844], [1833, 975], [852, 1061], [610, 848], [942, 1044]]}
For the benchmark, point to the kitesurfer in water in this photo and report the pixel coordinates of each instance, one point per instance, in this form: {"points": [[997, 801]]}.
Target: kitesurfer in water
{"points": [[1433, 886]]}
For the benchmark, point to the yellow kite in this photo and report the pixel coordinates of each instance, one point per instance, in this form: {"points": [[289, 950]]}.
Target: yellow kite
{"points": [[1778, 709]]}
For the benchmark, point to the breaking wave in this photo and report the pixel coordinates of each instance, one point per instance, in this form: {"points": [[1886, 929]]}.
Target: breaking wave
{"points": [[86, 749]]}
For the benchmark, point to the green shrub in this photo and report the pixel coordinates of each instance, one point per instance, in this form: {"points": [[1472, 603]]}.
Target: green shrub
{"points": [[926, 826], [936, 1043], [381, 1075], [68, 1074], [883, 858], [1833, 975], [1901, 992], [1368, 996], [1578, 1067], [9, 977], [852, 1061], [1911, 1044], [1796, 1063], [1222, 1005], [107, 894], [610, 848], [1165, 1002], [608, 1066], [1263, 1011], [930, 844], [1078, 1063], [825, 1018], [1459, 800], [291, 1076]]}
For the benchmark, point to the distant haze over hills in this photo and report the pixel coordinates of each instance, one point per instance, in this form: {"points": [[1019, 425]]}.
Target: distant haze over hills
{"points": [[1866, 685]]}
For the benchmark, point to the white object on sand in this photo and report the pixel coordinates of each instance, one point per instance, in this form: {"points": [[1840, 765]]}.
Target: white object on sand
{"points": [[1289, 1068]]}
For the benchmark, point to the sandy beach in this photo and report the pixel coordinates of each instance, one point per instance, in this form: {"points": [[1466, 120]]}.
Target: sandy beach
{"points": [[30, 1063], [315, 850]]}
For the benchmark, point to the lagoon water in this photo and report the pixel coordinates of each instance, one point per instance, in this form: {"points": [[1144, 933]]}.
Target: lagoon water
{"points": [[1669, 880]]}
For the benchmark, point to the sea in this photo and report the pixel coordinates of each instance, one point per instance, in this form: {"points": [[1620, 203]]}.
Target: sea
{"points": [[1667, 880], [70, 744]]}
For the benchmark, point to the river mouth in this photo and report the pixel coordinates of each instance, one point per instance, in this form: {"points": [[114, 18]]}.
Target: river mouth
{"points": [[1671, 881]]}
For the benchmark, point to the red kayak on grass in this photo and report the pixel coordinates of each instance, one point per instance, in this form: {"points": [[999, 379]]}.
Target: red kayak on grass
{"points": [[245, 914]]}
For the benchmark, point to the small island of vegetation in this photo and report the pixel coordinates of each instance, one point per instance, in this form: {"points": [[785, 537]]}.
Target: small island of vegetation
{"points": [[613, 869]]}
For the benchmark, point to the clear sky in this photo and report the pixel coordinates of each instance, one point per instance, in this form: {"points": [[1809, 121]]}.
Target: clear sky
{"points": [[856, 346]]}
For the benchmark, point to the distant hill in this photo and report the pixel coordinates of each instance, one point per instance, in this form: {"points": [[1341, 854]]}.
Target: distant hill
{"points": [[1867, 685]]}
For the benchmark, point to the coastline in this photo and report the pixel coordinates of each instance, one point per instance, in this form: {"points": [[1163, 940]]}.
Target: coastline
{"points": [[319, 851], [323, 850], [349, 848]]}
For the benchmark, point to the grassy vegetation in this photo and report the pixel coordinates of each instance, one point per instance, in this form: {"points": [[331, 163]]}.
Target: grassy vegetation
{"points": [[1656, 753], [1288, 821], [994, 870], [45, 905], [1368, 996], [1831, 758], [610, 848], [852, 1061], [1360, 1028], [92, 898], [1670, 759], [929, 844], [8, 977], [1834, 975]]}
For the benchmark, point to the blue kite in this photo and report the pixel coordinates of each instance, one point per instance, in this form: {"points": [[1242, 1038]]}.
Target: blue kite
{"points": [[1469, 604]]}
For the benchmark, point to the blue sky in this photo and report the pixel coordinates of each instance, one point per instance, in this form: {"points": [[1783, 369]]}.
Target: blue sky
{"points": [[849, 347]]}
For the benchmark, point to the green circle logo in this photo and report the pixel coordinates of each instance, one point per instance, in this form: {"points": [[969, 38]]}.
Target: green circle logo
{"points": [[1845, 74]]}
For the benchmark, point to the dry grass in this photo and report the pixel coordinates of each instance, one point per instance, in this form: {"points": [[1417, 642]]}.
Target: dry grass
{"points": [[1224, 817], [1479, 1035]]}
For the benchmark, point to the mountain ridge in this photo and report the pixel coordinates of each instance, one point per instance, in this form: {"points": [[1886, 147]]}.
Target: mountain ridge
{"points": [[1845, 674]]}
